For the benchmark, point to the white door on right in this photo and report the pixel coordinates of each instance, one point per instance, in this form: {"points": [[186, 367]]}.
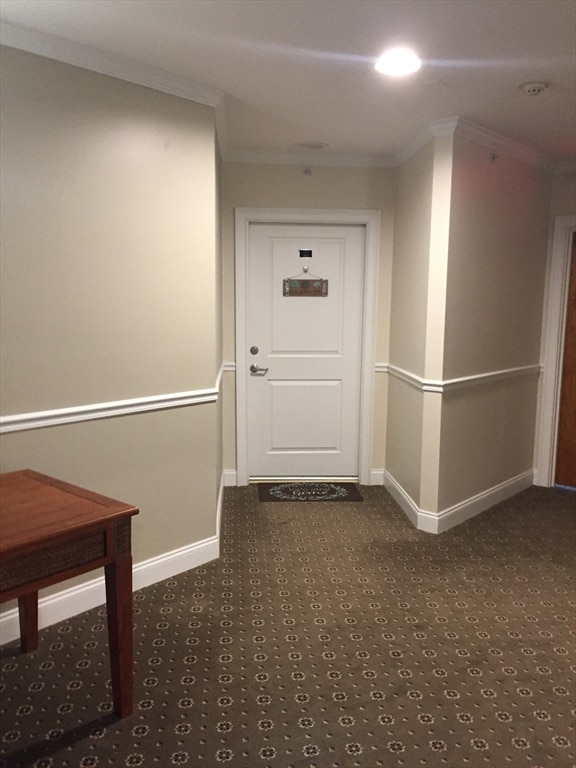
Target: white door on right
{"points": [[304, 342]]}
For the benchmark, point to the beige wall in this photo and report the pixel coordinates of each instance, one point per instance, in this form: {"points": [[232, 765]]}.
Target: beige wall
{"points": [[404, 436], [563, 198], [110, 289], [163, 462], [286, 186], [108, 232], [408, 322], [494, 304], [487, 437], [498, 241], [117, 285], [467, 295], [409, 299]]}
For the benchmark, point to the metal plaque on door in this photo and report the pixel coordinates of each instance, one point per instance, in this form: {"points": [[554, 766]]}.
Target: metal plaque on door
{"points": [[307, 286]]}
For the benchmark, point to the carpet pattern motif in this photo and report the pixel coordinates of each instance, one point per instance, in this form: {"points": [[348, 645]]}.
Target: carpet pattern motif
{"points": [[327, 635]]}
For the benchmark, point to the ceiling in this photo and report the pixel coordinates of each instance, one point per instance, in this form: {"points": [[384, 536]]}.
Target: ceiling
{"points": [[282, 73]]}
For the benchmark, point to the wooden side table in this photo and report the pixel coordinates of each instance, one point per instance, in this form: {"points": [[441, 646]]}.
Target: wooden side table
{"points": [[51, 531]]}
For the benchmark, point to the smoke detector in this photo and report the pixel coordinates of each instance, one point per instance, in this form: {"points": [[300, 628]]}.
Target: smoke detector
{"points": [[533, 89]]}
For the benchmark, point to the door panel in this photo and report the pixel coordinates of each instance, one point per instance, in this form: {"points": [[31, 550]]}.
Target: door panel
{"points": [[303, 406], [321, 401], [307, 325]]}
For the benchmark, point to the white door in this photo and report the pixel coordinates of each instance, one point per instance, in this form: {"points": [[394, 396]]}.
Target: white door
{"points": [[304, 390]]}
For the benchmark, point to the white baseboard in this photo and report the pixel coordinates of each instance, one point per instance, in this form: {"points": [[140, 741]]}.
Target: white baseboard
{"points": [[377, 476], [70, 602], [433, 522], [399, 495], [473, 506], [230, 477]]}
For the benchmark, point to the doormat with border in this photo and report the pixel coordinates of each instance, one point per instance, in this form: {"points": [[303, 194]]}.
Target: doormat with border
{"points": [[308, 492]]}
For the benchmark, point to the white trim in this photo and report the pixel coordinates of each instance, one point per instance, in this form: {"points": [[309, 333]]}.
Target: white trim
{"points": [[39, 419], [304, 479], [553, 348], [310, 158], [432, 385], [36, 420], [106, 63], [498, 143], [433, 522], [70, 602], [495, 141], [471, 507], [442, 386], [244, 217], [404, 500], [449, 127], [230, 477], [219, 506]]}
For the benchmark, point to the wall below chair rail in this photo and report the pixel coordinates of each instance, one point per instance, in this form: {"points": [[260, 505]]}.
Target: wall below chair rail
{"points": [[70, 601]]}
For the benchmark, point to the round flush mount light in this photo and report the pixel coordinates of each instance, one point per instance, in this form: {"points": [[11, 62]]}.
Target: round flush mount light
{"points": [[398, 62]]}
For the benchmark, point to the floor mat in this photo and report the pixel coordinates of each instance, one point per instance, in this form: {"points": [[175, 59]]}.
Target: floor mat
{"points": [[308, 492]]}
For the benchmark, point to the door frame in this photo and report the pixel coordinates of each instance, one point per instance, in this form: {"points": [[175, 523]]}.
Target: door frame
{"points": [[556, 299], [244, 217]]}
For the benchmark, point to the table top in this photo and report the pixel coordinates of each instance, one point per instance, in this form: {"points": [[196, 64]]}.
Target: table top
{"points": [[36, 508]]}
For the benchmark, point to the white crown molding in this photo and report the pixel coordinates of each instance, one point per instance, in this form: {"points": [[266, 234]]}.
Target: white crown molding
{"points": [[440, 128], [447, 127], [106, 63], [312, 158], [491, 139], [498, 143], [410, 149]]}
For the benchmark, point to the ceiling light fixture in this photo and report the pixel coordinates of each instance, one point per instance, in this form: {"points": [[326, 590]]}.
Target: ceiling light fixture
{"points": [[397, 62]]}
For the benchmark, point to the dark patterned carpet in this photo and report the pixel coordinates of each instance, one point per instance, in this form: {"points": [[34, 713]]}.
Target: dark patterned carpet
{"points": [[328, 635]]}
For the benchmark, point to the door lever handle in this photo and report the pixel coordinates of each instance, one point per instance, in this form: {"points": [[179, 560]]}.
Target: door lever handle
{"points": [[255, 370]]}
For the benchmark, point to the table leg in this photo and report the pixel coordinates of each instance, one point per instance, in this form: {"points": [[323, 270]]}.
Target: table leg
{"points": [[119, 608], [28, 617]]}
